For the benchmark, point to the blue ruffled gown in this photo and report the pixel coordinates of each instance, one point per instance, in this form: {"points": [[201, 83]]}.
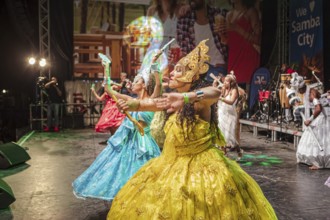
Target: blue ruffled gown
{"points": [[125, 153]]}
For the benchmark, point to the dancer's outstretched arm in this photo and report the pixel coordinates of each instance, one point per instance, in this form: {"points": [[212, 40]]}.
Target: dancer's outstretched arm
{"points": [[155, 72], [112, 92], [158, 86], [99, 98], [173, 102]]}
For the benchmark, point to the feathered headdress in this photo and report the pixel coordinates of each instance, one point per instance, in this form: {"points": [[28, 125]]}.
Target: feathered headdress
{"points": [[147, 66]]}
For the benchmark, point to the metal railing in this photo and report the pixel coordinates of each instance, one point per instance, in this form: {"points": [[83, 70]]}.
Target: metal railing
{"points": [[90, 112]]}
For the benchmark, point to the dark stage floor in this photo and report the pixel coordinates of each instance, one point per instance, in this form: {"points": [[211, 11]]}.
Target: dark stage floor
{"points": [[42, 187]]}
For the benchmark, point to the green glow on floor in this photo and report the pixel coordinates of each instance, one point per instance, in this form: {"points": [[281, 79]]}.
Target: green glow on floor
{"points": [[261, 160]]}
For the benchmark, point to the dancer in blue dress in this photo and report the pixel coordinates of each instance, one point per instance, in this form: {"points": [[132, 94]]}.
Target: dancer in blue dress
{"points": [[126, 152]]}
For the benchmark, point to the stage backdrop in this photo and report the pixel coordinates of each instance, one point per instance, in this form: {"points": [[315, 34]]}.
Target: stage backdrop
{"points": [[92, 18], [306, 36]]}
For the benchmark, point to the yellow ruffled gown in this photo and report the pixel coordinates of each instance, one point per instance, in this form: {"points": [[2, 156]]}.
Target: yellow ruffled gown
{"points": [[157, 128], [191, 179]]}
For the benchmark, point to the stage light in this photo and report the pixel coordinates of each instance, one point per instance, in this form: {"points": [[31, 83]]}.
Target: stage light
{"points": [[32, 60], [42, 62]]}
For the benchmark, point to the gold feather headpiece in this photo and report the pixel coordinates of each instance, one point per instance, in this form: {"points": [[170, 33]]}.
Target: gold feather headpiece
{"points": [[195, 63]]}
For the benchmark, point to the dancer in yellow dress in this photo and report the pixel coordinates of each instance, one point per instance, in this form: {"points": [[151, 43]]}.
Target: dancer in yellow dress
{"points": [[192, 179]]}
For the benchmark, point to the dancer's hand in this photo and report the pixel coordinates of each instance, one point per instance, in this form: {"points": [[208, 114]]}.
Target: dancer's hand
{"points": [[122, 105], [93, 87], [215, 83], [129, 105], [155, 69], [156, 56], [171, 102], [105, 64]]}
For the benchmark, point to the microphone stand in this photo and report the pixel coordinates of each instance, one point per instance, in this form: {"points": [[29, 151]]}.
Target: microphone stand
{"points": [[270, 87], [278, 111], [270, 98], [267, 102]]}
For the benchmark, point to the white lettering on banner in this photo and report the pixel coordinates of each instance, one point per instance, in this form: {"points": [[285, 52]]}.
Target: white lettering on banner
{"points": [[305, 25], [260, 80], [301, 12], [305, 39]]}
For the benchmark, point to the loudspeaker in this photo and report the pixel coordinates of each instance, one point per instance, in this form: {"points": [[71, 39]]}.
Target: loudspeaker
{"points": [[6, 195], [12, 154]]}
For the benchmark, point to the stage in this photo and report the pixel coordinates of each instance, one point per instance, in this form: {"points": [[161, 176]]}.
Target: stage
{"points": [[42, 186], [275, 129]]}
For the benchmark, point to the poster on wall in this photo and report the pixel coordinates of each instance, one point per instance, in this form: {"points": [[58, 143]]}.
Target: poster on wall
{"points": [[306, 37]]}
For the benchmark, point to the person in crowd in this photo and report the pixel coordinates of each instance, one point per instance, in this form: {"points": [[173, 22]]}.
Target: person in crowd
{"points": [[297, 83], [127, 149], [123, 86], [167, 12], [124, 81], [227, 114], [314, 145], [286, 69], [199, 24], [110, 118], [242, 31], [192, 179], [54, 104]]}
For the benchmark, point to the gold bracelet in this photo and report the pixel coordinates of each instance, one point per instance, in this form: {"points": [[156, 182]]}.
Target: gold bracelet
{"points": [[133, 105]]}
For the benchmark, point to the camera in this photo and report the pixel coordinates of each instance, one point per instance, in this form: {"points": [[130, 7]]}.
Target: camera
{"points": [[41, 81]]}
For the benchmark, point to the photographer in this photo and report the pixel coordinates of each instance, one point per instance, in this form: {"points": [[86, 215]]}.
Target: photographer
{"points": [[54, 102]]}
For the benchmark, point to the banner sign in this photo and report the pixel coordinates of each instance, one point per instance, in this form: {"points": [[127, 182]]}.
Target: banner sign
{"points": [[259, 82], [306, 36]]}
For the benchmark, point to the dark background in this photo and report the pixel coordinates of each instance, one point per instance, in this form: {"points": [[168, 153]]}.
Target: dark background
{"points": [[19, 40]]}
